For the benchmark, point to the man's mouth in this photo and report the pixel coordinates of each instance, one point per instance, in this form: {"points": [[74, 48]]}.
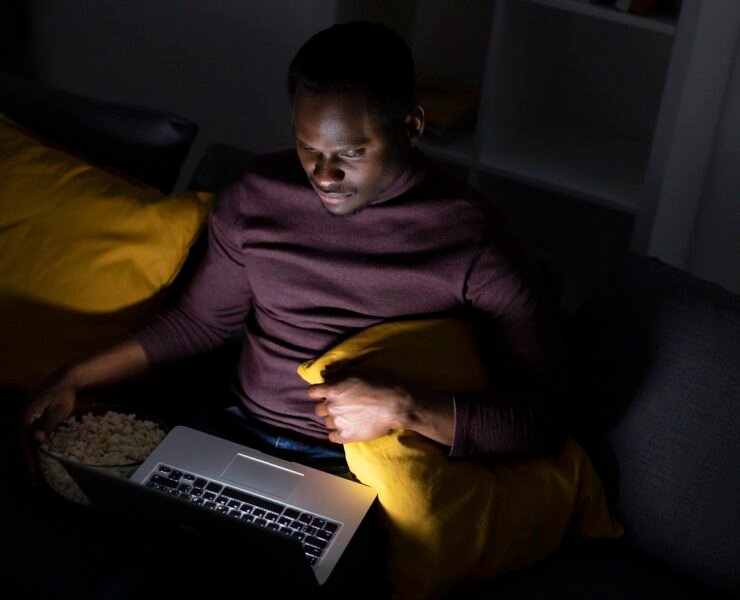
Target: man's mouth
{"points": [[332, 197]]}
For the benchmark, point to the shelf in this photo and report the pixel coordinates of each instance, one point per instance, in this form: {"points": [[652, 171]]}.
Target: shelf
{"points": [[660, 23], [458, 152], [586, 164]]}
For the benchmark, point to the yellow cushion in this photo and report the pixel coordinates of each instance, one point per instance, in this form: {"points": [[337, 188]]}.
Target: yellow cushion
{"points": [[452, 521], [84, 254]]}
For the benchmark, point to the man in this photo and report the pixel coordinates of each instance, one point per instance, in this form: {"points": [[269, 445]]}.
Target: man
{"points": [[352, 228]]}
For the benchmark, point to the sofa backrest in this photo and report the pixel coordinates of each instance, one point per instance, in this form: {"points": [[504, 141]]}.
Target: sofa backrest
{"points": [[221, 164], [657, 359], [146, 144]]}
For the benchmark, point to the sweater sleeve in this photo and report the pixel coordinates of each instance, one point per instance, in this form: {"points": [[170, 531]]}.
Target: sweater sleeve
{"points": [[524, 410], [215, 304]]}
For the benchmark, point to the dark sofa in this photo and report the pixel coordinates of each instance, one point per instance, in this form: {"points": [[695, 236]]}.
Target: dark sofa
{"points": [[656, 357], [655, 352]]}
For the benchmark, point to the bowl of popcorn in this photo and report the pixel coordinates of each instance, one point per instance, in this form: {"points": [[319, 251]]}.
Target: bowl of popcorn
{"points": [[113, 438]]}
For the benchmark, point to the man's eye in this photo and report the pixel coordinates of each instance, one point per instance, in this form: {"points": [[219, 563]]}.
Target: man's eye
{"points": [[352, 154]]}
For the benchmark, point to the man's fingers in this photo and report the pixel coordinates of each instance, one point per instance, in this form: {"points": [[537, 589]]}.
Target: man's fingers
{"points": [[33, 419], [321, 391], [330, 424], [334, 388], [322, 410], [338, 408], [46, 421], [316, 392], [55, 416], [336, 437], [32, 412]]}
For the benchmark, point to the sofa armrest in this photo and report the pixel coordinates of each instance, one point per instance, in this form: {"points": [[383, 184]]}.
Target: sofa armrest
{"points": [[656, 354]]}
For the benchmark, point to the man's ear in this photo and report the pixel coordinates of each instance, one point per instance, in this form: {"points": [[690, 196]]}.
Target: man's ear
{"points": [[414, 125]]}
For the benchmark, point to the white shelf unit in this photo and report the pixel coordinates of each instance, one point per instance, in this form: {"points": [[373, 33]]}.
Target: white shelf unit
{"points": [[571, 96], [571, 93], [575, 161]]}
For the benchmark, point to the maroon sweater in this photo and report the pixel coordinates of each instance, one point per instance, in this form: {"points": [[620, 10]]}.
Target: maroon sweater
{"points": [[298, 280]]}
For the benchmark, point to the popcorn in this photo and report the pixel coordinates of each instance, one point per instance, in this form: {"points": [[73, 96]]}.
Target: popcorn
{"points": [[119, 442]]}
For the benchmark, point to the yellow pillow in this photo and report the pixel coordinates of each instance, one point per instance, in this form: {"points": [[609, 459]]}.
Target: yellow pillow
{"points": [[84, 255], [452, 521]]}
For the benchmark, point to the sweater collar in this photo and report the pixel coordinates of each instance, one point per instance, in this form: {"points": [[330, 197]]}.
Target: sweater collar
{"points": [[412, 176]]}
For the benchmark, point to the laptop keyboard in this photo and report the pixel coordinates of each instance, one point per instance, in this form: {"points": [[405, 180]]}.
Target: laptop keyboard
{"points": [[314, 532]]}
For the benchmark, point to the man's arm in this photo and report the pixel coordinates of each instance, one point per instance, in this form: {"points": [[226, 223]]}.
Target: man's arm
{"points": [[54, 402], [524, 412], [216, 302], [211, 310]]}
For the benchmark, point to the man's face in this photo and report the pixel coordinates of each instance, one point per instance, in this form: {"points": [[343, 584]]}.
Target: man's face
{"points": [[348, 158]]}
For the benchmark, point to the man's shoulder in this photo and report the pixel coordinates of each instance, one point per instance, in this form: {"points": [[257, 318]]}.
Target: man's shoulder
{"points": [[273, 171], [261, 188], [447, 190]]}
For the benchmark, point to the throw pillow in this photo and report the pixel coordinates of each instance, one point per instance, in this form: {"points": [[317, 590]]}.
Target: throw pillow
{"points": [[85, 255], [453, 521]]}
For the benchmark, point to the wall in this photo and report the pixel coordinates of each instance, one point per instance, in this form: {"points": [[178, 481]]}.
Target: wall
{"points": [[446, 37], [15, 55], [715, 251], [450, 38], [689, 169], [221, 63], [398, 14]]}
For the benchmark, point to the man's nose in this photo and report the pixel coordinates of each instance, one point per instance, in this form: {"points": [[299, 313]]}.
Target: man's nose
{"points": [[326, 172]]}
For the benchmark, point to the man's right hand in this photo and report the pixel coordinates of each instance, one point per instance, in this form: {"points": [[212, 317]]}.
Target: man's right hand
{"points": [[49, 407], [53, 403]]}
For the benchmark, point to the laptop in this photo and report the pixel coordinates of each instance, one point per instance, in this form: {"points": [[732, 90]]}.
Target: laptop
{"points": [[283, 513]]}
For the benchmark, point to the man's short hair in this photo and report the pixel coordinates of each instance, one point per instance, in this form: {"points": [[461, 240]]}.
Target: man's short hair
{"points": [[366, 58]]}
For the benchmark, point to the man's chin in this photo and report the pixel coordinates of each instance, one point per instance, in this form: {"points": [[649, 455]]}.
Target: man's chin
{"points": [[343, 209]]}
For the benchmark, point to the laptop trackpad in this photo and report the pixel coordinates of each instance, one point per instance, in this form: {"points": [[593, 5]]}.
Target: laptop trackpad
{"points": [[259, 475]]}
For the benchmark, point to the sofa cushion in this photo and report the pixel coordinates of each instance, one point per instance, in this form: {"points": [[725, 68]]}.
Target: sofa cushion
{"points": [[84, 255], [143, 143], [656, 353]]}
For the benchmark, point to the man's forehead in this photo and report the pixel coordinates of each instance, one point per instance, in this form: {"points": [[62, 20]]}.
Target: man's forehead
{"points": [[330, 134], [335, 136], [342, 117]]}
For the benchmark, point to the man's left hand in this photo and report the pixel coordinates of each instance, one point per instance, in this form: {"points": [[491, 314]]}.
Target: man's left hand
{"points": [[360, 409]]}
